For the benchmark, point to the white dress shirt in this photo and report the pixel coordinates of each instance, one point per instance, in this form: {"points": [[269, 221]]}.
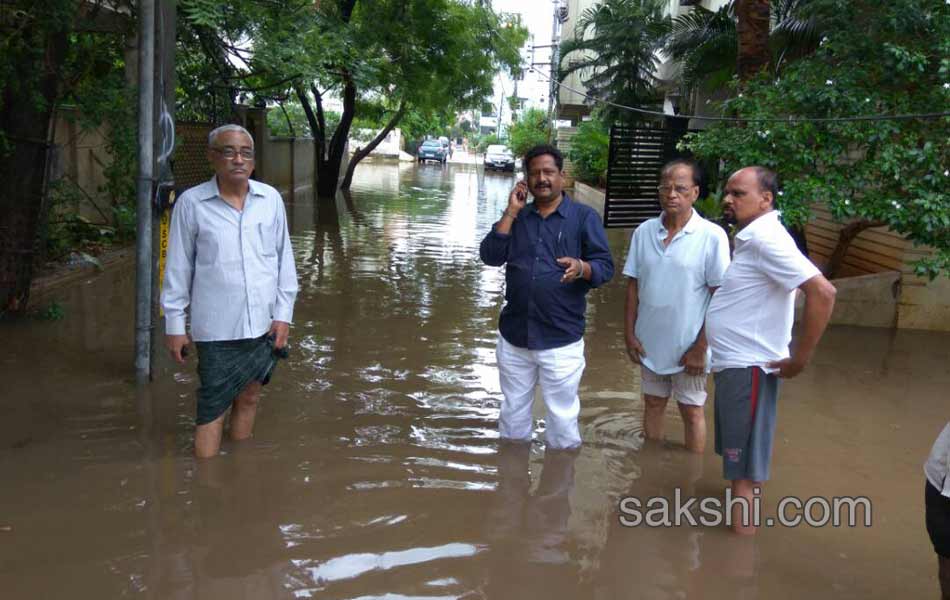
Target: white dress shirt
{"points": [[673, 286], [749, 321], [233, 270]]}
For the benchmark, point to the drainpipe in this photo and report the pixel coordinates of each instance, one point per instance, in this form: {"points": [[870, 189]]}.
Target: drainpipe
{"points": [[143, 206]]}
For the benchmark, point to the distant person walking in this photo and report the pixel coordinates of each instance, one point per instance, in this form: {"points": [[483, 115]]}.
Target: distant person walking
{"points": [[555, 251], [749, 328], [674, 264], [231, 268], [937, 503]]}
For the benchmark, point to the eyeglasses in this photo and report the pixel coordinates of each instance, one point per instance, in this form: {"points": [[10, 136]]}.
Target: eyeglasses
{"points": [[231, 153], [681, 190]]}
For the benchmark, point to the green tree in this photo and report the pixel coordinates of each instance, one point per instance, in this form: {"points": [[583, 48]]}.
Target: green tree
{"points": [[877, 57], [706, 42], [485, 141], [590, 149], [752, 33], [432, 56], [615, 48], [54, 52], [417, 124], [531, 128]]}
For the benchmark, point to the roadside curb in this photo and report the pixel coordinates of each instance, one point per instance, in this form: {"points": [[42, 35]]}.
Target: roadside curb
{"points": [[63, 275]]}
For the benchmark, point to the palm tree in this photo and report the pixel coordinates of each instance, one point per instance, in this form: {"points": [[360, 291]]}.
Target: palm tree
{"points": [[706, 43], [615, 47], [752, 33]]}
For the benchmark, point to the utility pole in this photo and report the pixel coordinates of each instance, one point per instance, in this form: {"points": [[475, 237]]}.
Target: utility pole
{"points": [[166, 17], [144, 188], [555, 41], [501, 105]]}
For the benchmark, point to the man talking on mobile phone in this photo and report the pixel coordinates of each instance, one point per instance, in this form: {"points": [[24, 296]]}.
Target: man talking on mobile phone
{"points": [[554, 251]]}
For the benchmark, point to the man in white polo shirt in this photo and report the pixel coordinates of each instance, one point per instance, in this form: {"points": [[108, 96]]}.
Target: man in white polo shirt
{"points": [[749, 328], [675, 263]]}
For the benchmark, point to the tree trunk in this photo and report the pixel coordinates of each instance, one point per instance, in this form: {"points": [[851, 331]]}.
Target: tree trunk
{"points": [[365, 151], [26, 123], [752, 29], [328, 176], [317, 125], [845, 237]]}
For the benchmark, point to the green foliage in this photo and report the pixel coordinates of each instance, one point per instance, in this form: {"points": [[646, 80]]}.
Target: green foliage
{"points": [[709, 207], [615, 48], [590, 149], [202, 74], [877, 57], [431, 58], [104, 102], [205, 13], [67, 230], [91, 87], [278, 126], [438, 55], [706, 43], [277, 120], [531, 128], [418, 123], [485, 141], [54, 311], [25, 27]]}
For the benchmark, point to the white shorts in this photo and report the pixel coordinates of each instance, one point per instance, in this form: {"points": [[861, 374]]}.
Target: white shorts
{"points": [[684, 388]]}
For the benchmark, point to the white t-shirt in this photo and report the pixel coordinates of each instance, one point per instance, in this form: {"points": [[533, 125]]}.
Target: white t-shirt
{"points": [[937, 467], [673, 286], [749, 321]]}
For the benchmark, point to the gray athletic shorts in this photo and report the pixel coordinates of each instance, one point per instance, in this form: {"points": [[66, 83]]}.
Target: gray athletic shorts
{"points": [[745, 409]]}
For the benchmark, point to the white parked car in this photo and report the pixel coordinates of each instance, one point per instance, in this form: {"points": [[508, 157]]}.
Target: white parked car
{"points": [[498, 156]]}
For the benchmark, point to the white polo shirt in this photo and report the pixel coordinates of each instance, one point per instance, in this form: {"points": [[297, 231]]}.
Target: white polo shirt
{"points": [[937, 467], [673, 286], [749, 321]]}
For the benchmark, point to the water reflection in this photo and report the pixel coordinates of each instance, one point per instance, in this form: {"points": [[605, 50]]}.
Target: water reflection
{"points": [[528, 531], [376, 470]]}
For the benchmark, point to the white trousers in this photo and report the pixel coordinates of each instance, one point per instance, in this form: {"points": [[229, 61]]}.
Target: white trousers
{"points": [[559, 371]]}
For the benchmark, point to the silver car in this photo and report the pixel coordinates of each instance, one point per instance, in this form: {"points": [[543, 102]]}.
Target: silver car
{"points": [[498, 156]]}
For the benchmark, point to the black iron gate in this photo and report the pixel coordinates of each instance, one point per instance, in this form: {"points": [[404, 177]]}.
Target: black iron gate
{"points": [[637, 153]]}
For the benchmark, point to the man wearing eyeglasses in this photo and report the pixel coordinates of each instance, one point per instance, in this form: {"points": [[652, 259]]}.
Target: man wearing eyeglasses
{"points": [[231, 267], [675, 263]]}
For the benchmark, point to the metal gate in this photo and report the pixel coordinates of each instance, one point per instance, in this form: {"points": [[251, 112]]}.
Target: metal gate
{"points": [[637, 153]]}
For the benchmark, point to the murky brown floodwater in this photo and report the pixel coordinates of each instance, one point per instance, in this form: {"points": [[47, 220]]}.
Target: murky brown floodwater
{"points": [[375, 471]]}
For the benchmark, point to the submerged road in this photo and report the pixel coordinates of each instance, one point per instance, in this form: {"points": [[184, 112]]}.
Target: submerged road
{"points": [[375, 470]]}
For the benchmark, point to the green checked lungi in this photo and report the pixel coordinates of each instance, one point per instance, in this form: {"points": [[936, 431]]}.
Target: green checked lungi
{"points": [[225, 368]]}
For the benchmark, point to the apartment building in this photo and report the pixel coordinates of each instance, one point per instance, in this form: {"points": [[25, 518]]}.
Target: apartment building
{"points": [[574, 106]]}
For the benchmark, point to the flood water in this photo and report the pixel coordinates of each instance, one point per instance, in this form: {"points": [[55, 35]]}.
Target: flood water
{"points": [[375, 470]]}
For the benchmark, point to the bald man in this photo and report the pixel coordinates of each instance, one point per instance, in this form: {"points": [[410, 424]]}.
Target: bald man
{"points": [[749, 329]]}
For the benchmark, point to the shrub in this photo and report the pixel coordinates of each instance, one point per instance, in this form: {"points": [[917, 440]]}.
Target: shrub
{"points": [[589, 151]]}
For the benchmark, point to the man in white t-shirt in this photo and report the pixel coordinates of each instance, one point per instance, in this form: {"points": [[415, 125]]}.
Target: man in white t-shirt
{"points": [[749, 328], [937, 503], [675, 263]]}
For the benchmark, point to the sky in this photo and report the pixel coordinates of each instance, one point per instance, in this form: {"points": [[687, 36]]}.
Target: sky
{"points": [[538, 17]]}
